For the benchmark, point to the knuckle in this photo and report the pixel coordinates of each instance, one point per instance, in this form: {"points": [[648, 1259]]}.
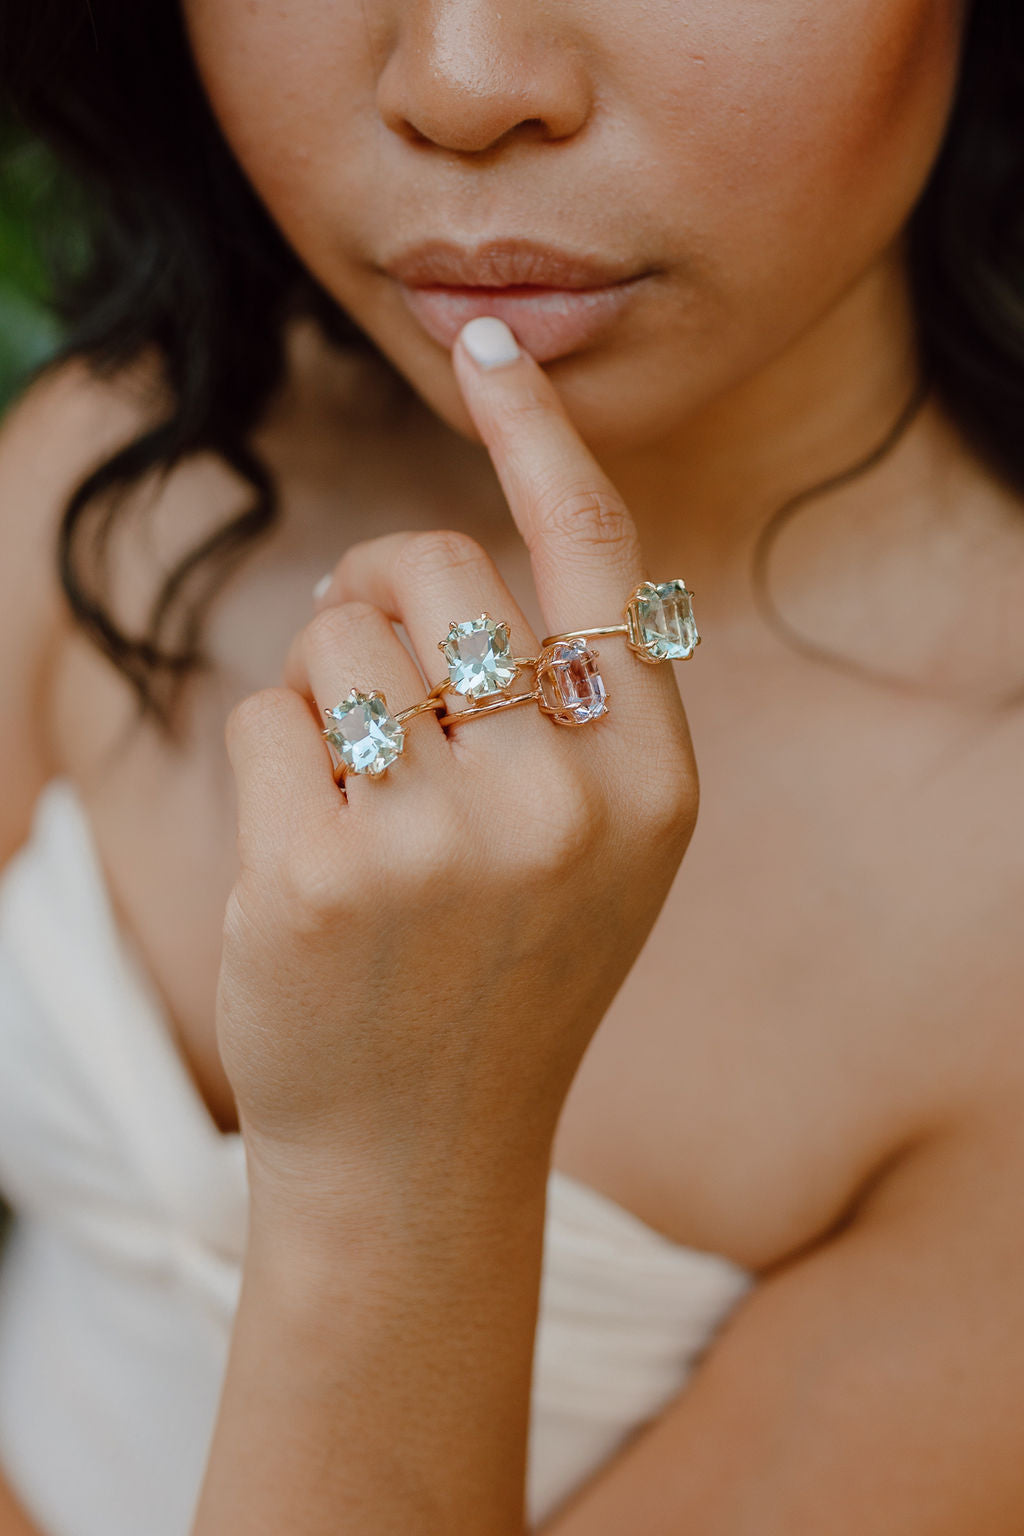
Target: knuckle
{"points": [[590, 514], [253, 714], [431, 855], [261, 911], [312, 888], [437, 551], [326, 630], [563, 825], [670, 807]]}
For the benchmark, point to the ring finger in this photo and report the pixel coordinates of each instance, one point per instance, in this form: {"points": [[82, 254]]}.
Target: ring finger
{"points": [[354, 646]]}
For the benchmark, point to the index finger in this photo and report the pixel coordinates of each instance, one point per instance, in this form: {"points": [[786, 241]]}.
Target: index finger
{"points": [[584, 547]]}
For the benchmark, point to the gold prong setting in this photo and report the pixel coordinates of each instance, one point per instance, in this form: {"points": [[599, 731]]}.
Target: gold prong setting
{"points": [[479, 657], [366, 737], [570, 689], [660, 625]]}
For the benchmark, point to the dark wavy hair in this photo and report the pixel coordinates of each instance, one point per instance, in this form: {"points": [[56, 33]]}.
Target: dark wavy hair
{"points": [[181, 257]]}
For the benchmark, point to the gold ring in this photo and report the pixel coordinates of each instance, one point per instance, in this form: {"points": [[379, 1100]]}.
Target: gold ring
{"points": [[659, 623], [473, 710], [445, 685], [364, 737], [479, 657]]}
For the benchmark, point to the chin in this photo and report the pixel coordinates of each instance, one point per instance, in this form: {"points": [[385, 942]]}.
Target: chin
{"points": [[593, 386], [613, 387]]}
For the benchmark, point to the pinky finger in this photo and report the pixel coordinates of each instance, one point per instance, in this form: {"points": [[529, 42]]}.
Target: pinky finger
{"points": [[286, 792]]}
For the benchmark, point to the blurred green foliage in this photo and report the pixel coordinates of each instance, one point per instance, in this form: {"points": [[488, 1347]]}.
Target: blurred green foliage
{"points": [[33, 215]]}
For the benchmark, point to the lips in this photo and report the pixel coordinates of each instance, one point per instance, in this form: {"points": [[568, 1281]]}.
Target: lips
{"points": [[555, 300], [505, 264]]}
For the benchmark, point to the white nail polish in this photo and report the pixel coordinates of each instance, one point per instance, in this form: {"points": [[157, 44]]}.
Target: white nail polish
{"points": [[489, 342], [322, 585]]}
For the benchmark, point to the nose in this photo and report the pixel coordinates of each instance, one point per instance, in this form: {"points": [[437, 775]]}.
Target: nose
{"points": [[465, 75]]}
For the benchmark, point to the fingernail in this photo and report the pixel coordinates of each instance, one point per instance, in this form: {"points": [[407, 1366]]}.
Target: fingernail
{"points": [[489, 342], [321, 586]]}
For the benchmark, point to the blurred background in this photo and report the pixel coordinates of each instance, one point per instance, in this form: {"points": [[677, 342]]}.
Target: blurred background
{"points": [[37, 227], [37, 221]]}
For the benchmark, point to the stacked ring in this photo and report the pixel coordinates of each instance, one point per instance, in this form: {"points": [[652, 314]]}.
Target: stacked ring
{"points": [[364, 736], [658, 624], [480, 665]]}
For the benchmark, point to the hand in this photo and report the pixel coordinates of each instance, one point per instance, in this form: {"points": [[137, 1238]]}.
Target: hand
{"points": [[414, 965]]}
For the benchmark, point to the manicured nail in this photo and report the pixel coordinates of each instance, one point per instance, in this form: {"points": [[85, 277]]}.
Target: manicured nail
{"points": [[321, 586], [489, 342]]}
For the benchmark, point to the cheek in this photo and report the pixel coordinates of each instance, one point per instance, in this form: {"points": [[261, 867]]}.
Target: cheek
{"points": [[803, 126], [290, 82]]}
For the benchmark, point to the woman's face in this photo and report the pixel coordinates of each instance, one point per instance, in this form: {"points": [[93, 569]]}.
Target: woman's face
{"points": [[707, 178]]}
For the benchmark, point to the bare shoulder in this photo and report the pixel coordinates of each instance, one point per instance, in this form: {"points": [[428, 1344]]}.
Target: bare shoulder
{"points": [[69, 419], [955, 839], [63, 426], [924, 969], [871, 1384], [962, 831], [981, 865]]}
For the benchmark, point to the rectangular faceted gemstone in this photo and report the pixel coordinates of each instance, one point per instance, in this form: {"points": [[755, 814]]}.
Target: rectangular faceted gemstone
{"points": [[664, 611], [570, 685]]}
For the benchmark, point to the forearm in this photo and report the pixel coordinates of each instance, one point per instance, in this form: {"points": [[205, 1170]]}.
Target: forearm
{"points": [[379, 1382]]}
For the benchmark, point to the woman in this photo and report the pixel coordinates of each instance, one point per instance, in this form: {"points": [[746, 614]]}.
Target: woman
{"points": [[753, 1078]]}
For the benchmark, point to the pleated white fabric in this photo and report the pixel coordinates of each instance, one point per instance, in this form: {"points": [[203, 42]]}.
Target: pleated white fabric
{"points": [[121, 1272]]}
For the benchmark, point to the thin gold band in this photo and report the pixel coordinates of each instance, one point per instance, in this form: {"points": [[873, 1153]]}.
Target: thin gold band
{"points": [[488, 709], [585, 634], [445, 685], [430, 702]]}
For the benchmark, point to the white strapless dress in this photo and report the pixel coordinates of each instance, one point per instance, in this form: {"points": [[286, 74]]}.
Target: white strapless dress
{"points": [[121, 1272]]}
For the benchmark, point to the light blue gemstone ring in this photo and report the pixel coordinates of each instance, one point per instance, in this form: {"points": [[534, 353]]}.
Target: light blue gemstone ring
{"points": [[481, 667], [659, 623], [364, 736]]}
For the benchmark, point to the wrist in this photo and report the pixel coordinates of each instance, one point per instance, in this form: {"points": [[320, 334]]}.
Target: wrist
{"points": [[350, 1316], [363, 1278], [306, 1220]]}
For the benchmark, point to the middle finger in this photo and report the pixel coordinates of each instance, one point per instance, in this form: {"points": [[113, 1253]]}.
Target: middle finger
{"points": [[427, 581]]}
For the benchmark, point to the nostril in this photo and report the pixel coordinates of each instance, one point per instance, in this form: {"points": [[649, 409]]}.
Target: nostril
{"points": [[531, 128], [413, 134], [470, 88]]}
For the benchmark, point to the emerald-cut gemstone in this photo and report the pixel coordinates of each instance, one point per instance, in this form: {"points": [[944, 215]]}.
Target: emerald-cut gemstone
{"points": [[365, 735], [570, 684], [478, 656], [662, 620]]}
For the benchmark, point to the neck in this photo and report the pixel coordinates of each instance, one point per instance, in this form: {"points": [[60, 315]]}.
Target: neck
{"points": [[701, 496]]}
